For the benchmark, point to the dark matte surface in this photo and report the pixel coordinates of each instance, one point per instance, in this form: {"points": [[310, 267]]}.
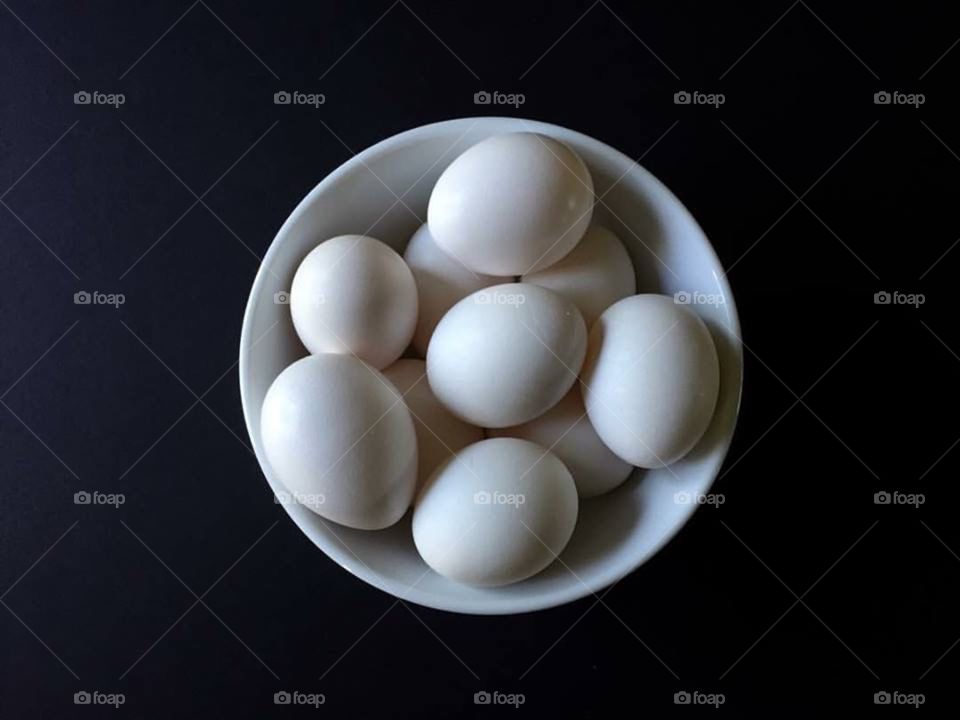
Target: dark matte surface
{"points": [[199, 598]]}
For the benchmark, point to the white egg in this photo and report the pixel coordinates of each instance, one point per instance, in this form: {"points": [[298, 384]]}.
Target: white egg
{"points": [[439, 434], [595, 274], [341, 441], [512, 204], [650, 379], [497, 513], [354, 294], [566, 431], [442, 280], [506, 354]]}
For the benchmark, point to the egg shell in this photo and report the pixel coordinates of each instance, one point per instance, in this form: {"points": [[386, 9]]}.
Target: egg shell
{"points": [[511, 204], [596, 273], [650, 379], [338, 437], [567, 432], [442, 280], [506, 354], [497, 513], [353, 294], [439, 434]]}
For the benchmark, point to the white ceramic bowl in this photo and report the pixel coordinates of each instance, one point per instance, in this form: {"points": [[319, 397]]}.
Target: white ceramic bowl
{"points": [[615, 533]]}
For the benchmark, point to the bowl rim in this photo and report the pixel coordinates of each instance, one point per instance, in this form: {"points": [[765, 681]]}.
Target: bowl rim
{"points": [[346, 559]]}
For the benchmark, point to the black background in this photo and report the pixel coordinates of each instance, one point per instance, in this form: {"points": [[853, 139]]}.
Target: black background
{"points": [[843, 397]]}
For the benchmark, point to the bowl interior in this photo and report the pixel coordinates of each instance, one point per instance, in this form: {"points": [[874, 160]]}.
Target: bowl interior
{"points": [[383, 192]]}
